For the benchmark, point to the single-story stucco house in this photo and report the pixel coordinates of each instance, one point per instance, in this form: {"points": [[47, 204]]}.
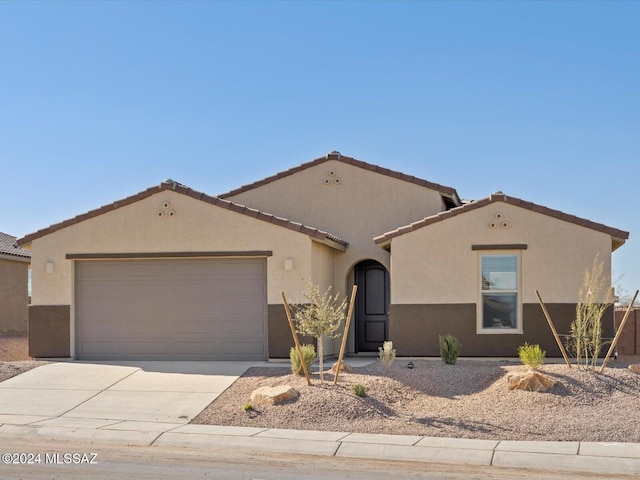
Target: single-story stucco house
{"points": [[14, 291], [172, 273]]}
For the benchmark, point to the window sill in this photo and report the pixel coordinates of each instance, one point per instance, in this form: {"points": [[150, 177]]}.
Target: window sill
{"points": [[500, 331]]}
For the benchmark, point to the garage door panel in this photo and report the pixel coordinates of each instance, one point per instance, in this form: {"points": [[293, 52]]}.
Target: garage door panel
{"points": [[203, 308], [243, 348], [152, 327], [207, 326], [147, 289], [99, 309], [100, 348], [194, 348], [100, 289], [147, 348], [196, 289], [107, 327], [210, 309], [140, 269], [147, 309], [97, 269], [242, 308], [242, 328], [237, 288]]}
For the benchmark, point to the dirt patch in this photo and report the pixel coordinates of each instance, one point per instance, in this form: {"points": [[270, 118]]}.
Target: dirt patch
{"points": [[14, 346], [14, 356], [466, 400]]}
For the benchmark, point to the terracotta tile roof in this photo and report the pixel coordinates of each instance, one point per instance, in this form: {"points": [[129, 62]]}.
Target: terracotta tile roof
{"points": [[449, 193], [314, 233], [618, 236], [8, 246]]}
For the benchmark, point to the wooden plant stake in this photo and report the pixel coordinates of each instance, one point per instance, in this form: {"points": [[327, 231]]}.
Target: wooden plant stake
{"points": [[295, 338], [553, 330], [618, 333], [346, 331]]}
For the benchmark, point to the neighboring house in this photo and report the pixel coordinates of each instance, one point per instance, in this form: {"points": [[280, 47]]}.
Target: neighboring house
{"points": [[14, 294], [171, 273]]}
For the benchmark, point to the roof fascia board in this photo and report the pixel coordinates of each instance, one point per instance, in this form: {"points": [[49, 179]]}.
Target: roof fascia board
{"points": [[15, 258]]}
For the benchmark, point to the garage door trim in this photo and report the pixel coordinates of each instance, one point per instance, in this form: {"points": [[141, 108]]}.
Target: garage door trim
{"points": [[232, 345]]}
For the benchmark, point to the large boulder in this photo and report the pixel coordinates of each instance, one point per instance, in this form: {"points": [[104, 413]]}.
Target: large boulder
{"points": [[635, 367], [530, 380], [273, 395]]}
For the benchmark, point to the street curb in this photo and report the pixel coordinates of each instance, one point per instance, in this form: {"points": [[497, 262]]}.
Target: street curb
{"points": [[587, 457]]}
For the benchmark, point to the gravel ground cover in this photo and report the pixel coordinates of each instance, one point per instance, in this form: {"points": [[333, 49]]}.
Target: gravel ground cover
{"points": [[466, 400]]}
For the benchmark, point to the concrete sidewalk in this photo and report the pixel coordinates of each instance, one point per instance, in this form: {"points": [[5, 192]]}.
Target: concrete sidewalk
{"points": [[607, 459]]}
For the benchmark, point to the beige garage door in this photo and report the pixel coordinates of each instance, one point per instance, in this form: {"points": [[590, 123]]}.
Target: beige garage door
{"points": [[192, 309]]}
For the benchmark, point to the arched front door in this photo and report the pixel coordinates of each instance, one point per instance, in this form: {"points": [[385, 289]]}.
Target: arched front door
{"points": [[372, 305]]}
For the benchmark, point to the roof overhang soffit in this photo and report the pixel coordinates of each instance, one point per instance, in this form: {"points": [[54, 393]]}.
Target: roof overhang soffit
{"points": [[330, 243]]}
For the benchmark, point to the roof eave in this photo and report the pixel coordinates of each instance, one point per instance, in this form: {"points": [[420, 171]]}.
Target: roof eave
{"points": [[616, 243], [331, 243], [15, 258]]}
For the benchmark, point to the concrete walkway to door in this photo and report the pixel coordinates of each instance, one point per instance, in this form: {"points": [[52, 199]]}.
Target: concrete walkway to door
{"points": [[151, 396]]}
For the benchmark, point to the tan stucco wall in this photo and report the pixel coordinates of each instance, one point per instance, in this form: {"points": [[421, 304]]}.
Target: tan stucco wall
{"points": [[361, 206], [14, 296], [322, 265], [197, 226], [436, 265]]}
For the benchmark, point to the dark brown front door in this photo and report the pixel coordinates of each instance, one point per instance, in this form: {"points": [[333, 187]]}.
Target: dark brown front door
{"points": [[372, 305]]}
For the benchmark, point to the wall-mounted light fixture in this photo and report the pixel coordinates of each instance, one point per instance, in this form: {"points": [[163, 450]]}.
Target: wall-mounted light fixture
{"points": [[49, 267], [288, 264]]}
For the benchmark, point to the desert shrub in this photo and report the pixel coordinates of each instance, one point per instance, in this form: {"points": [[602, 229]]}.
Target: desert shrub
{"points": [[387, 355], [309, 355], [595, 296], [247, 406], [359, 390], [531, 355], [450, 348], [321, 317]]}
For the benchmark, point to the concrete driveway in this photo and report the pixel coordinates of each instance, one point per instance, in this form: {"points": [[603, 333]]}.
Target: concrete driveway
{"points": [[120, 395]]}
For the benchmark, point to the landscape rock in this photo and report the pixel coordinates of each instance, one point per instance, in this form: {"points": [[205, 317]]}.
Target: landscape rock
{"points": [[273, 395], [635, 367], [344, 367], [530, 380]]}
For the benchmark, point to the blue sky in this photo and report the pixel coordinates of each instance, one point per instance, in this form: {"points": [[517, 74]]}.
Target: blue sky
{"points": [[99, 100]]}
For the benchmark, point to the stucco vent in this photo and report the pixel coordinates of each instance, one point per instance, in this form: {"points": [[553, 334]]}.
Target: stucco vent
{"points": [[337, 181], [498, 216], [493, 225], [504, 224]]}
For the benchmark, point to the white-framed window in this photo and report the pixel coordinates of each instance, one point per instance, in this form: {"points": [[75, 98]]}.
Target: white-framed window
{"points": [[500, 305]]}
